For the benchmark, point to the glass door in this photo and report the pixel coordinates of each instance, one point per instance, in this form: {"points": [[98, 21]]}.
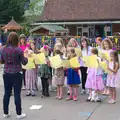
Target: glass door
{"points": [[85, 31]]}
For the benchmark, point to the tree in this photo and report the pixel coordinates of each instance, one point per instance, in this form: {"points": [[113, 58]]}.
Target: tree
{"points": [[11, 8], [35, 9]]}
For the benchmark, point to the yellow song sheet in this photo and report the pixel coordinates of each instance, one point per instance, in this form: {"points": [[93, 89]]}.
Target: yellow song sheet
{"points": [[85, 59], [66, 64], [74, 63], [91, 61], [56, 62], [78, 52], [30, 64], [104, 66], [104, 55], [40, 58]]}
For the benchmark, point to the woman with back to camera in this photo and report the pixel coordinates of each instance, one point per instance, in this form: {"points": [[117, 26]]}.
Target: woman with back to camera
{"points": [[12, 57]]}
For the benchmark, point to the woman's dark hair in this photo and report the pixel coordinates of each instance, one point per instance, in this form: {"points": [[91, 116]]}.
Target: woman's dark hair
{"points": [[12, 39], [82, 40], [22, 36], [35, 50]]}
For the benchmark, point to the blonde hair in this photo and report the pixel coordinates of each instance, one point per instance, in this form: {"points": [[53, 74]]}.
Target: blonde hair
{"points": [[109, 43], [71, 53], [58, 46], [59, 40], [46, 52]]}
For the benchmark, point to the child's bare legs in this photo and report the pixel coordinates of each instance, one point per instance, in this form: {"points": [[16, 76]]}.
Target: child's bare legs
{"points": [[58, 92], [97, 99], [108, 91], [105, 91], [61, 92], [70, 96], [114, 93], [90, 95], [75, 93]]}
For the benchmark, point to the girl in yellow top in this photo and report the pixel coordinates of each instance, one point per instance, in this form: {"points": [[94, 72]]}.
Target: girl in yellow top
{"points": [[30, 75]]}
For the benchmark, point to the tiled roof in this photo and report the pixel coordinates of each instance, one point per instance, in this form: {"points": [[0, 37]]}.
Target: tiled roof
{"points": [[69, 10]]}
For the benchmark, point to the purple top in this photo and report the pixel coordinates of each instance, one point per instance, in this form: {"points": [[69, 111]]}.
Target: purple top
{"points": [[13, 58]]}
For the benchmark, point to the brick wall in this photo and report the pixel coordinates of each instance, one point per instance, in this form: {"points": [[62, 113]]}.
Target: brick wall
{"points": [[116, 28]]}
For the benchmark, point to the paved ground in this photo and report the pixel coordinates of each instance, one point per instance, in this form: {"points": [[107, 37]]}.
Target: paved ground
{"points": [[64, 110]]}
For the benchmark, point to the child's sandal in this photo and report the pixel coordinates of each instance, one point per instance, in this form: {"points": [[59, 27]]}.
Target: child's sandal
{"points": [[69, 98], [60, 98], [88, 100], [56, 97]]}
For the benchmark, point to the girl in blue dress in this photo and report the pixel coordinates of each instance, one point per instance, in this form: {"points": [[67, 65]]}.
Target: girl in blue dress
{"points": [[73, 78]]}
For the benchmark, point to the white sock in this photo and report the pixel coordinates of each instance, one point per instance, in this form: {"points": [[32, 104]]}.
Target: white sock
{"points": [[89, 97], [93, 95]]}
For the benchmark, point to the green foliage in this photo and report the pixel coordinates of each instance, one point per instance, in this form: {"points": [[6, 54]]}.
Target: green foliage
{"points": [[35, 8], [11, 8]]}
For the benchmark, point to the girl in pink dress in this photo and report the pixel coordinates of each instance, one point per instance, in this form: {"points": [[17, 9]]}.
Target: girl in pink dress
{"points": [[112, 78], [22, 43], [94, 80], [107, 46]]}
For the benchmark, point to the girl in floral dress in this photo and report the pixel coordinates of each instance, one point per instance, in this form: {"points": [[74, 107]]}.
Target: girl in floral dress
{"points": [[106, 48], [113, 78]]}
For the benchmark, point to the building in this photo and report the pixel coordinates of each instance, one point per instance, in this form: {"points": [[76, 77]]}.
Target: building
{"points": [[89, 18]]}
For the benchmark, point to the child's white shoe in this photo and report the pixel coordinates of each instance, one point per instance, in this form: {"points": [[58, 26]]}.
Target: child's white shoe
{"points": [[68, 93], [112, 101], [6, 115], [83, 92], [98, 99], [93, 96], [21, 116], [88, 99]]}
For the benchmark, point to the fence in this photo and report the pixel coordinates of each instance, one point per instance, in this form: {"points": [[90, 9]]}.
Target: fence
{"points": [[51, 40]]}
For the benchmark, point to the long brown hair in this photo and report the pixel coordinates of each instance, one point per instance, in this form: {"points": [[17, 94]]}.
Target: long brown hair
{"points": [[86, 40], [22, 36], [35, 49], [116, 57], [12, 39]]}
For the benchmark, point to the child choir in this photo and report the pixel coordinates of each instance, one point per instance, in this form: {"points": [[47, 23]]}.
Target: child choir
{"points": [[95, 81]]}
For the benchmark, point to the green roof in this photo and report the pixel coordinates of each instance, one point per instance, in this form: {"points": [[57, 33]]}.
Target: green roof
{"points": [[51, 28]]}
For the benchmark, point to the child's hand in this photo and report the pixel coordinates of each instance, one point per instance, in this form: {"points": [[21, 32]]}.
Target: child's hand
{"points": [[26, 55], [26, 50], [108, 67], [48, 62]]}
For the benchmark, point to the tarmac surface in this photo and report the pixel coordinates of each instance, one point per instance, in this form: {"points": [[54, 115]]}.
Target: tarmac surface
{"points": [[53, 109]]}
